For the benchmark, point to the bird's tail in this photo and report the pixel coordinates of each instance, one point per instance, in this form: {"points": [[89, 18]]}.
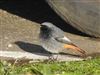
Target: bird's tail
{"points": [[74, 47]]}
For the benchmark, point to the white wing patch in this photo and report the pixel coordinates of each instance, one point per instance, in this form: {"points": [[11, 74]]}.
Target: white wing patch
{"points": [[63, 39], [66, 39]]}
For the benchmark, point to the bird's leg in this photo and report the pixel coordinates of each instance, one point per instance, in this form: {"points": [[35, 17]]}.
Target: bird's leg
{"points": [[53, 57], [56, 57]]}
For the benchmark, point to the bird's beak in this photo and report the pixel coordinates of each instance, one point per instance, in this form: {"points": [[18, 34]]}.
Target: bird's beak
{"points": [[42, 25], [74, 47]]}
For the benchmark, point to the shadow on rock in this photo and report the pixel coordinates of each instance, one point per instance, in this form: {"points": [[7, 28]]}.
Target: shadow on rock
{"points": [[36, 49], [32, 48]]}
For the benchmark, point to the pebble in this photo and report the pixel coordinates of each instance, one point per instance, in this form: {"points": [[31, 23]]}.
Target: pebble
{"points": [[9, 45]]}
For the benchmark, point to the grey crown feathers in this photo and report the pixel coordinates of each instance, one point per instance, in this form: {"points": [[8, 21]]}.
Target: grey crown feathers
{"points": [[48, 30]]}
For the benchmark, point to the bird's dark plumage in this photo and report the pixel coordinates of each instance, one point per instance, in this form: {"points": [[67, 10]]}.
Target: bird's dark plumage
{"points": [[45, 32]]}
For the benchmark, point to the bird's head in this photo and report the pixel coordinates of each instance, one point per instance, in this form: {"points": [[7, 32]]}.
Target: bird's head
{"points": [[49, 30], [46, 30]]}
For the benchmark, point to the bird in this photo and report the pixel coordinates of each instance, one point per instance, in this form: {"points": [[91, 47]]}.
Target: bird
{"points": [[53, 39]]}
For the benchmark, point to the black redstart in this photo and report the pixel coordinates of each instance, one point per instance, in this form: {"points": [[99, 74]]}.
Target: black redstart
{"points": [[53, 39]]}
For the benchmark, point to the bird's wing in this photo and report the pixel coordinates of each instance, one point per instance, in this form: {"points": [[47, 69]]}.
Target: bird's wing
{"points": [[63, 40]]}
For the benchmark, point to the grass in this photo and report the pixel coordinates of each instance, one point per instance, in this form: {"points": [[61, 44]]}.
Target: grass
{"points": [[88, 67]]}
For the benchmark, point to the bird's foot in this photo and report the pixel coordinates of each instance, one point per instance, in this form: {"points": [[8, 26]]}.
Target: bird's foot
{"points": [[53, 57]]}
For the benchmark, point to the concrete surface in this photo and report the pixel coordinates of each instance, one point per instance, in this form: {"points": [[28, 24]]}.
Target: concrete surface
{"points": [[19, 39]]}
